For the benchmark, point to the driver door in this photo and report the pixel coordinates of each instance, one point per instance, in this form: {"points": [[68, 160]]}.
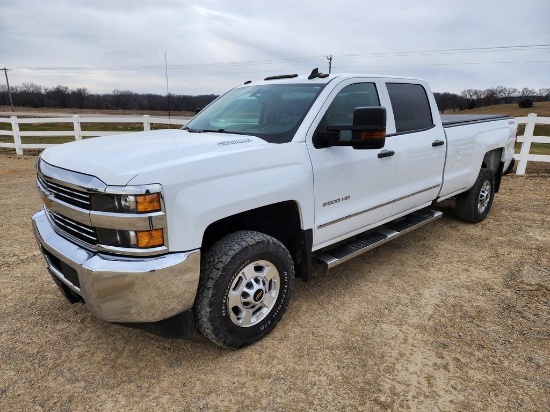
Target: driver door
{"points": [[353, 188]]}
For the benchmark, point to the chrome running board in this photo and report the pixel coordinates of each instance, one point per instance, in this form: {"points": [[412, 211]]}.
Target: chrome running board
{"points": [[373, 238]]}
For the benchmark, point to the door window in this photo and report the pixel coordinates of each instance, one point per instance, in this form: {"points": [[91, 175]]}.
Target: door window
{"points": [[340, 111], [411, 108]]}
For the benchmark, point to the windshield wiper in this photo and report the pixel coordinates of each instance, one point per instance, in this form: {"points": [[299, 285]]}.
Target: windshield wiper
{"points": [[211, 131], [222, 131], [216, 131], [192, 130]]}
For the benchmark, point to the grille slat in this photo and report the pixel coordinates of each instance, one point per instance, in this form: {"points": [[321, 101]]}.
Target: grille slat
{"points": [[72, 224], [74, 229], [66, 194], [82, 197], [64, 190]]}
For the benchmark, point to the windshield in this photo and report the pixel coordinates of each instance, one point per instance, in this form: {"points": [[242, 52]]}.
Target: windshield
{"points": [[271, 112]]}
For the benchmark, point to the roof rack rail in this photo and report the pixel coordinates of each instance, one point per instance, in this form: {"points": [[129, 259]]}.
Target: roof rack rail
{"points": [[282, 76]]}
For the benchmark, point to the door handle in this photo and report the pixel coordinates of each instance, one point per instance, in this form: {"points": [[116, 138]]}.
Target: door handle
{"points": [[438, 143], [385, 153]]}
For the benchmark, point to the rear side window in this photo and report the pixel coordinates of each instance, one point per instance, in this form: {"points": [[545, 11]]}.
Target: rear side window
{"points": [[411, 108]]}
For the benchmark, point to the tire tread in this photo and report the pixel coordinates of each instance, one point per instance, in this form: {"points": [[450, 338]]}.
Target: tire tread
{"points": [[467, 202], [212, 265]]}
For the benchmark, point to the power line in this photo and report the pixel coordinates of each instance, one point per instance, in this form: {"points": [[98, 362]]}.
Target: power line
{"points": [[297, 59], [161, 74], [167, 89], [450, 64]]}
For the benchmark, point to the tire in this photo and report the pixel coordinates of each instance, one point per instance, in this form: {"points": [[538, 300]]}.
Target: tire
{"points": [[247, 280], [473, 206]]}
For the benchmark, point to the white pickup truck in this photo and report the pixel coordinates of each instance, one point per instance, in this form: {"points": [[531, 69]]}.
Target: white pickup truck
{"points": [[208, 225]]}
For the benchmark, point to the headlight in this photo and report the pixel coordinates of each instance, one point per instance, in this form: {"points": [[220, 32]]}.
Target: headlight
{"points": [[141, 239], [130, 217], [124, 203]]}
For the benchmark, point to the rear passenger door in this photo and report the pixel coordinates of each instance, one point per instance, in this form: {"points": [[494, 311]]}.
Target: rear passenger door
{"points": [[419, 147]]}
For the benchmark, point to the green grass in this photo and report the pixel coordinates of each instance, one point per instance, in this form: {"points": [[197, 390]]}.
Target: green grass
{"points": [[536, 148]]}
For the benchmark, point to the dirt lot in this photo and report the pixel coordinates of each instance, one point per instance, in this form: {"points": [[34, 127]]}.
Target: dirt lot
{"points": [[451, 317]]}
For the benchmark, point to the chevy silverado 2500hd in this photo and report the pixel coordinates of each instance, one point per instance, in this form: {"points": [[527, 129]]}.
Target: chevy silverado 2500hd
{"points": [[210, 224]]}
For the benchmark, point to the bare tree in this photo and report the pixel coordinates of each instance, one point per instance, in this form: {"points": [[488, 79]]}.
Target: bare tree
{"points": [[30, 94], [79, 97], [508, 94], [58, 95], [526, 93], [545, 94], [489, 97]]}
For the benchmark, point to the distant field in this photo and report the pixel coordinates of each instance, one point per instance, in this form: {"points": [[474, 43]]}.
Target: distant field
{"points": [[67, 127], [542, 109], [31, 111], [26, 112]]}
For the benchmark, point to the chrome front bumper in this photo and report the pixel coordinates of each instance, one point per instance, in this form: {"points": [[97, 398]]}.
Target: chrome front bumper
{"points": [[118, 288]]}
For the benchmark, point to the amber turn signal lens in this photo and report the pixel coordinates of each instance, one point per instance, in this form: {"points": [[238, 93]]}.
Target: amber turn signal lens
{"points": [[373, 135], [150, 238], [148, 203]]}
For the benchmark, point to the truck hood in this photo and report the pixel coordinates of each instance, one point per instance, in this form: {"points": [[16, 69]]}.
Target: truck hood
{"points": [[118, 159]]}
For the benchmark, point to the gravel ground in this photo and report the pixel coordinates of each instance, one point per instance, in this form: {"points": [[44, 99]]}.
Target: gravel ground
{"points": [[451, 317]]}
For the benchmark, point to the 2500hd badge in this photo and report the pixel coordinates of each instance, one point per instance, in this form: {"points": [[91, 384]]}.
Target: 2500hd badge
{"points": [[332, 202]]}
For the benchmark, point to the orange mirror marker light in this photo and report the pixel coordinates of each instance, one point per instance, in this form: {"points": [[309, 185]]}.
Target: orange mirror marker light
{"points": [[148, 203], [378, 134], [150, 238]]}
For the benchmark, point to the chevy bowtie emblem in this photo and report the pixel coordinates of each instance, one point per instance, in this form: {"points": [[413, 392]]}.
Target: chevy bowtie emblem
{"points": [[48, 201]]}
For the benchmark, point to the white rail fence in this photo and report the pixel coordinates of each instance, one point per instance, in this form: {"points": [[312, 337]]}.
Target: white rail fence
{"points": [[524, 156], [77, 133]]}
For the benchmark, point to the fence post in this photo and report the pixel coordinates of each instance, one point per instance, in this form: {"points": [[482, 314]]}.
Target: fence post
{"points": [[526, 146], [16, 135], [146, 123], [77, 129]]}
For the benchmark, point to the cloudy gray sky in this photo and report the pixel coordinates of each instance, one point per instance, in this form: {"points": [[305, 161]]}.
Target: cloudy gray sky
{"points": [[213, 45]]}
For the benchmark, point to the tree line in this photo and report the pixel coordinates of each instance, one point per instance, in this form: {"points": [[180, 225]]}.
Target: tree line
{"points": [[62, 97], [472, 98], [33, 95]]}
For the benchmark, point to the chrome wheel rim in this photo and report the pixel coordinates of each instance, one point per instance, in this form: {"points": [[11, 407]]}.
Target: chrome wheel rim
{"points": [[484, 196], [253, 293]]}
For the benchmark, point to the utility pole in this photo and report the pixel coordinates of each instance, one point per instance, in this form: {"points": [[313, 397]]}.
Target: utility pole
{"points": [[8, 83], [329, 58], [167, 89]]}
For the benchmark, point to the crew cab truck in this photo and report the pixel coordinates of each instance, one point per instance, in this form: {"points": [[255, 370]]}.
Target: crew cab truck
{"points": [[209, 225]]}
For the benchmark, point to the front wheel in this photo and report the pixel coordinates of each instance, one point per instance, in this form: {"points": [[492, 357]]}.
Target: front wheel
{"points": [[247, 279], [474, 205]]}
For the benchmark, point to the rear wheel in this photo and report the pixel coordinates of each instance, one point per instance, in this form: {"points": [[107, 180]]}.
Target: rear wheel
{"points": [[474, 205], [247, 279]]}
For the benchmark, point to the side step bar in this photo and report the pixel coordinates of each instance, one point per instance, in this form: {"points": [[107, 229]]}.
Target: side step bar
{"points": [[369, 240]]}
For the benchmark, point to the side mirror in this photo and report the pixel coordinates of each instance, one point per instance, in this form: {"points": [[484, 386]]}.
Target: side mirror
{"points": [[368, 130]]}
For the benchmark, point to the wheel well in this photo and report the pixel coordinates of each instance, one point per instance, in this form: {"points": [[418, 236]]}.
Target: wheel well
{"points": [[493, 160], [280, 221]]}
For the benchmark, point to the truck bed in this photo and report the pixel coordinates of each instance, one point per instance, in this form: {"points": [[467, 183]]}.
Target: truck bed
{"points": [[451, 120]]}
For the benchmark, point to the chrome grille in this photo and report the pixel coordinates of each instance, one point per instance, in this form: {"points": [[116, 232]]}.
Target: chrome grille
{"points": [[67, 194], [72, 228]]}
